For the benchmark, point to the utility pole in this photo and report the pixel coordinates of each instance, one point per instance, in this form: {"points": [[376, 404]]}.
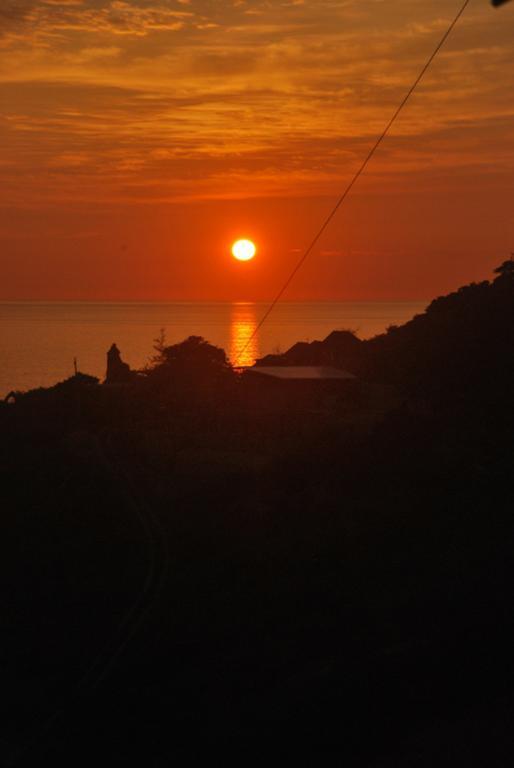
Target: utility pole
{"points": [[75, 365]]}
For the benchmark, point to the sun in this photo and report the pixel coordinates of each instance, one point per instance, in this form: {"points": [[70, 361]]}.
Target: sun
{"points": [[243, 250]]}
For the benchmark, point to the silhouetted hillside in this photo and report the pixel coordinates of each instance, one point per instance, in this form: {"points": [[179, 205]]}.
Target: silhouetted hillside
{"points": [[458, 348], [183, 569]]}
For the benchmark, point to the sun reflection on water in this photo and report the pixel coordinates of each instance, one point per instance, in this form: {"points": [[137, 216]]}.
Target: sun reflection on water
{"points": [[244, 350]]}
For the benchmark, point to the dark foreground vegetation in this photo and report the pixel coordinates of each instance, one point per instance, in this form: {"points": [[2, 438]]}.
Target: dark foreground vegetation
{"points": [[186, 566]]}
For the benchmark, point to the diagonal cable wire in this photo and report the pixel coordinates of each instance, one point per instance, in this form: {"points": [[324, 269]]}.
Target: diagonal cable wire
{"points": [[356, 176]]}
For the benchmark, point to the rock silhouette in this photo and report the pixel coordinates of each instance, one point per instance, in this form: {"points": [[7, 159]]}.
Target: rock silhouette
{"points": [[342, 349], [118, 372]]}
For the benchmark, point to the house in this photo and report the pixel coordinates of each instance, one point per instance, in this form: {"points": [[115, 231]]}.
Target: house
{"points": [[299, 387]]}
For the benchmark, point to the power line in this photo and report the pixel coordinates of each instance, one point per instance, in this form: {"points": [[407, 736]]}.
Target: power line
{"points": [[356, 176]]}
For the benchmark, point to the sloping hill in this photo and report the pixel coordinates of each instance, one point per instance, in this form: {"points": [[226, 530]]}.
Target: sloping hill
{"points": [[461, 346]]}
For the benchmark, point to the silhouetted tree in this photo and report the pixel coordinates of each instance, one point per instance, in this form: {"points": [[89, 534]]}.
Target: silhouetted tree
{"points": [[505, 270], [193, 352], [159, 345], [190, 368]]}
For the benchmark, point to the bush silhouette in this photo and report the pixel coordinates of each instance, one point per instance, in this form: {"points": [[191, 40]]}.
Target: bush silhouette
{"points": [[190, 369]]}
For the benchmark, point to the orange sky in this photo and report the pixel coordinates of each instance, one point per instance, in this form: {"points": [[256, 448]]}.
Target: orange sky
{"points": [[139, 138]]}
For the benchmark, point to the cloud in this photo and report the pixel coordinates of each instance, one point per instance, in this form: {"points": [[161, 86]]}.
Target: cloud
{"points": [[117, 17], [165, 99]]}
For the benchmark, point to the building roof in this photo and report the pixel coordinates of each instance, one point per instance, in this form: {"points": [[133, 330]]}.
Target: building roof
{"points": [[300, 372]]}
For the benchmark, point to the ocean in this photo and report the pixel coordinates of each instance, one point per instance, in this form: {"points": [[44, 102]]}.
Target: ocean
{"points": [[39, 341]]}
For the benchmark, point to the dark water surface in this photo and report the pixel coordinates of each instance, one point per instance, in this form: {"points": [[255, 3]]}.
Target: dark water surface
{"points": [[38, 341]]}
